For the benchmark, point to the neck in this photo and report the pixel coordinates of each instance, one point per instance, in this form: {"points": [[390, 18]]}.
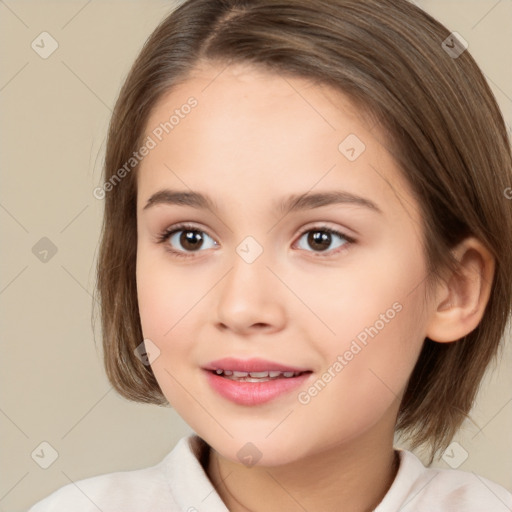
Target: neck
{"points": [[356, 477]]}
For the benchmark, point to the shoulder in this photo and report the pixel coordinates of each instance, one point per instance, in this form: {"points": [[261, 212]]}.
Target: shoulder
{"points": [[420, 489], [137, 490]]}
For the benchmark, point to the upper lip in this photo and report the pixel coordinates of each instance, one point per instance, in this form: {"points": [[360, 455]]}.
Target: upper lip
{"points": [[250, 365]]}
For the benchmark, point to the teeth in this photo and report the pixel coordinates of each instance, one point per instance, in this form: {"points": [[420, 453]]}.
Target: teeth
{"points": [[256, 376]]}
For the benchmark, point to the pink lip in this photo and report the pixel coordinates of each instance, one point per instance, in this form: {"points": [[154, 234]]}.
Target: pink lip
{"points": [[250, 365], [253, 393]]}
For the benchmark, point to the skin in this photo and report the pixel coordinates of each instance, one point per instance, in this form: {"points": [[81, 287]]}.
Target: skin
{"points": [[253, 139]]}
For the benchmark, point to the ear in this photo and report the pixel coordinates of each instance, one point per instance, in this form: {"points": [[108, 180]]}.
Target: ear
{"points": [[460, 299]]}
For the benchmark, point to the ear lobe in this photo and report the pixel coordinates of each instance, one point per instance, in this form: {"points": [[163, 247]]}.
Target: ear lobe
{"points": [[460, 300]]}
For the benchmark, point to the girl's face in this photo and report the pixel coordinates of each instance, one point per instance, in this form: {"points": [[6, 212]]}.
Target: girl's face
{"points": [[252, 276]]}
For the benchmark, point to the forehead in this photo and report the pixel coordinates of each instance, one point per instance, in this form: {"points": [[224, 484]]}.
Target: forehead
{"points": [[240, 92], [256, 131]]}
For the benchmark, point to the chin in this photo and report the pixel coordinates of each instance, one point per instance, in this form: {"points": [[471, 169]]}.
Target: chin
{"points": [[253, 449]]}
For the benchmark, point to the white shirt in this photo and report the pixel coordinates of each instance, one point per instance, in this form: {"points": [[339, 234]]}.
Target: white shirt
{"points": [[179, 484]]}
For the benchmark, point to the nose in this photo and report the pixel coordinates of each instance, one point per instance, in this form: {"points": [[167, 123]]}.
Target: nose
{"points": [[250, 299]]}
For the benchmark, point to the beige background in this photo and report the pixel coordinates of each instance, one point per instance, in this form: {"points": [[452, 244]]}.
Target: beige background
{"points": [[54, 118]]}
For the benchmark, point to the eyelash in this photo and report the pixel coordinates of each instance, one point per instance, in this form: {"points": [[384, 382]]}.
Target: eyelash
{"points": [[164, 237]]}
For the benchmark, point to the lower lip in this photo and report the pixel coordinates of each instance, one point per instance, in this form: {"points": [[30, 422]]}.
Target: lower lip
{"points": [[254, 393]]}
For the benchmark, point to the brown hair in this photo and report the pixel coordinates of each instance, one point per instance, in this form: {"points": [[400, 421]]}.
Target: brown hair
{"points": [[447, 134]]}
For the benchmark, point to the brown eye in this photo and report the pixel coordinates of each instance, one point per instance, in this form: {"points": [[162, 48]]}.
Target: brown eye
{"points": [[191, 240], [319, 240], [324, 240], [184, 240]]}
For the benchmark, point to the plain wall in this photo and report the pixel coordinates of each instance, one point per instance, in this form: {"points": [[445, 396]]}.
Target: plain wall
{"points": [[55, 113]]}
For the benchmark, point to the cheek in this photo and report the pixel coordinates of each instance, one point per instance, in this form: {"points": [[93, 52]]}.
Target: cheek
{"points": [[165, 301], [363, 380], [166, 294], [362, 296], [174, 302], [377, 317]]}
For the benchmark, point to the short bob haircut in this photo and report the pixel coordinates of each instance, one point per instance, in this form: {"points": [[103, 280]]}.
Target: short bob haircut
{"points": [[447, 136]]}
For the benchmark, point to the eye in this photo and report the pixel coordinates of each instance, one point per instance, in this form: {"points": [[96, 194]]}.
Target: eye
{"points": [[190, 238], [184, 240], [323, 239]]}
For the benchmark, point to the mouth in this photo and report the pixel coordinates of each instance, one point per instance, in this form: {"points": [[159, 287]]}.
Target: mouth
{"points": [[263, 376], [254, 381]]}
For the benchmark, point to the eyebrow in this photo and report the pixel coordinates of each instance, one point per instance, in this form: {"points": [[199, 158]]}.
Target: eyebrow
{"points": [[292, 203]]}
